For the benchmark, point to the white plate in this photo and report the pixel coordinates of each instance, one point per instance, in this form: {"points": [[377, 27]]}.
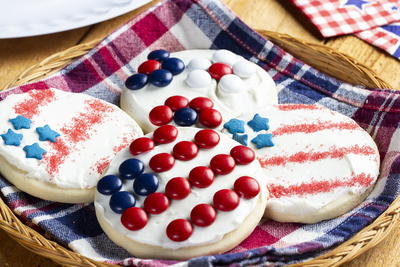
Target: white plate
{"points": [[21, 18]]}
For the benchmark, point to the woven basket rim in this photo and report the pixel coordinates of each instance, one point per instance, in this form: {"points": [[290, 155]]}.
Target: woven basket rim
{"points": [[367, 238]]}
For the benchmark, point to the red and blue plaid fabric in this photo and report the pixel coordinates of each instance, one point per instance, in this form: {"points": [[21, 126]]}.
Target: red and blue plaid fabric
{"points": [[186, 24], [337, 17], [376, 22]]}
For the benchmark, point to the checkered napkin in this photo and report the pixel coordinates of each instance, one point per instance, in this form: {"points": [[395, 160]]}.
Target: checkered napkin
{"points": [[376, 22], [187, 24]]}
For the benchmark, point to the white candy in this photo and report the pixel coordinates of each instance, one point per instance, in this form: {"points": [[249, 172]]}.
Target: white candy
{"points": [[231, 83], [198, 78], [199, 64], [244, 69], [224, 56]]}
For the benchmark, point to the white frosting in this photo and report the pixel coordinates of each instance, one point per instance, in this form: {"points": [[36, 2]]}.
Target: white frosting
{"points": [[154, 233], [80, 168], [294, 175], [259, 89]]}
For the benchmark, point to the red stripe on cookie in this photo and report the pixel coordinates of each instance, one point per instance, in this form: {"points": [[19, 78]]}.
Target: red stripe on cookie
{"points": [[277, 191], [30, 106], [301, 157], [314, 127]]}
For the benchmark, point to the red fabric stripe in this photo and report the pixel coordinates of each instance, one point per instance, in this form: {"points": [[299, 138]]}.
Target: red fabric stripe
{"points": [[286, 107], [301, 157], [277, 191]]}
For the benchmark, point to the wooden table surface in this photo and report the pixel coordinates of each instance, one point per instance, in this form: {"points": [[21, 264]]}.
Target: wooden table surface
{"points": [[18, 54]]}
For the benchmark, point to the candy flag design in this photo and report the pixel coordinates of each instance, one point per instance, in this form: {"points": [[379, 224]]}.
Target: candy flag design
{"points": [[140, 199]]}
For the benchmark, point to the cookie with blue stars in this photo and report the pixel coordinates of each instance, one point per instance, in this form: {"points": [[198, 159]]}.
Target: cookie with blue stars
{"points": [[318, 163], [55, 145]]}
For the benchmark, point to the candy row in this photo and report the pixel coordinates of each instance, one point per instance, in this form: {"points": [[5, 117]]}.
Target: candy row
{"points": [[185, 113]]}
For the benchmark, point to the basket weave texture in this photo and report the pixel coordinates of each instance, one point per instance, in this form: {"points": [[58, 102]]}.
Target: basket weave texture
{"points": [[321, 57]]}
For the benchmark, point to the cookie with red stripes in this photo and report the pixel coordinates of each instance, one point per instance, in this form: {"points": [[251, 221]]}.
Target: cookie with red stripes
{"points": [[56, 145], [319, 163], [235, 85], [179, 193]]}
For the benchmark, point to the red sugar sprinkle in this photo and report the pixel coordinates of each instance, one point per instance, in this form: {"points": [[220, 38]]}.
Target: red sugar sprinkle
{"points": [[301, 157], [102, 164], [79, 129], [76, 131], [314, 127], [30, 107], [277, 191], [287, 107]]}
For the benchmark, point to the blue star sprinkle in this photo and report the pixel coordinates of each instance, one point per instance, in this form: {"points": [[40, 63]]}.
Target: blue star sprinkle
{"points": [[357, 3], [46, 133], [241, 138], [234, 126], [263, 140], [259, 123], [34, 151], [20, 122], [12, 138]]}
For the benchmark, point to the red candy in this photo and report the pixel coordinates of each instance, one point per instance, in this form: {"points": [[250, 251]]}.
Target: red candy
{"points": [[210, 117], [226, 200], [242, 155], [149, 66], [141, 145], [206, 138], [203, 215], [201, 176], [160, 115], [156, 203], [217, 70], [185, 150], [162, 162], [222, 164], [165, 134], [200, 103], [179, 230], [177, 102], [177, 188], [134, 218], [246, 187]]}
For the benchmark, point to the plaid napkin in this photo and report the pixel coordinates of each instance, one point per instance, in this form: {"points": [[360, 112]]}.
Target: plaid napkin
{"points": [[187, 24], [376, 22]]}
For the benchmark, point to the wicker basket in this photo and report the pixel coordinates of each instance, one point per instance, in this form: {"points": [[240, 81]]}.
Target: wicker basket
{"points": [[324, 58]]}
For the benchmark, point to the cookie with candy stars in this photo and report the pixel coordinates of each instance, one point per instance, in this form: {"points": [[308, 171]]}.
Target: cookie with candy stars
{"points": [[319, 163], [235, 85], [181, 192], [55, 145]]}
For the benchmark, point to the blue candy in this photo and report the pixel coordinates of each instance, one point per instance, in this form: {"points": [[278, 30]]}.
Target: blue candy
{"points": [[34, 151], [131, 168], [174, 65], [159, 55], [109, 184], [234, 126], [241, 138], [263, 140], [136, 81], [12, 138], [145, 184], [258, 123], [160, 78], [185, 117], [122, 200], [20, 122], [46, 133]]}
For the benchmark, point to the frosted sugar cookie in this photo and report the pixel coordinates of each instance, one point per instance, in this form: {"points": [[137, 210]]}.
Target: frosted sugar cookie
{"points": [[179, 193], [235, 85], [319, 163], [55, 145]]}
